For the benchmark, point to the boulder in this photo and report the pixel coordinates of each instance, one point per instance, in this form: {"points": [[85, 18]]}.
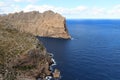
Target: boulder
{"points": [[56, 74]]}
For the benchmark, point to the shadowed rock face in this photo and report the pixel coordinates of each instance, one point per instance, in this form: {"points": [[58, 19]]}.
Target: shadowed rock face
{"points": [[47, 24]]}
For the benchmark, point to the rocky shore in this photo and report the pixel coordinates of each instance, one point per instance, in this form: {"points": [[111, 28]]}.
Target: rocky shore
{"points": [[22, 56]]}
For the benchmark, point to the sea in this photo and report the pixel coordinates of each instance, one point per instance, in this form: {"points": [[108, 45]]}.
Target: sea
{"points": [[93, 52]]}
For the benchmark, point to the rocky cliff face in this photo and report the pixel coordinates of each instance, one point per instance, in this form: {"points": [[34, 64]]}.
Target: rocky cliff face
{"points": [[22, 56], [47, 24]]}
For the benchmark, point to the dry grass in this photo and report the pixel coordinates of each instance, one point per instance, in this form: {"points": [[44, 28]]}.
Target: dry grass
{"points": [[12, 44]]}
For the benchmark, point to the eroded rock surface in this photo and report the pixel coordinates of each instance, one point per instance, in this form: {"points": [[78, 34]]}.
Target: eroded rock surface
{"points": [[56, 74], [47, 24]]}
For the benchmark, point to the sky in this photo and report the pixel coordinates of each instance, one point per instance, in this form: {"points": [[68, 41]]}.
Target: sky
{"points": [[75, 9]]}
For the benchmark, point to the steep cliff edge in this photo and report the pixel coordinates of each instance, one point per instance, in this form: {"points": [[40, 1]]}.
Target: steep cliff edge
{"points": [[22, 56], [47, 24]]}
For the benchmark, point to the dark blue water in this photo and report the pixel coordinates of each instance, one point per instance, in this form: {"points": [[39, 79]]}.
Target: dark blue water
{"points": [[92, 54]]}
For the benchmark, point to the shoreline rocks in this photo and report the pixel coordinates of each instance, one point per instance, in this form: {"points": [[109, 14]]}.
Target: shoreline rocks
{"points": [[56, 74]]}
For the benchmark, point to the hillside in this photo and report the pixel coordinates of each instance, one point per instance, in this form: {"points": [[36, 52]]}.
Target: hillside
{"points": [[22, 56]]}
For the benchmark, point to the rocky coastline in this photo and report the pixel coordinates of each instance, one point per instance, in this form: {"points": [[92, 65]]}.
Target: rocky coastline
{"points": [[22, 56]]}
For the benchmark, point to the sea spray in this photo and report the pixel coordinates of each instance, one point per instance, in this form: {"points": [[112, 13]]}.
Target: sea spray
{"points": [[53, 64]]}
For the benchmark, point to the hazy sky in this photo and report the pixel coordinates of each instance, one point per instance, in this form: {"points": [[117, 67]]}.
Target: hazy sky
{"points": [[68, 8]]}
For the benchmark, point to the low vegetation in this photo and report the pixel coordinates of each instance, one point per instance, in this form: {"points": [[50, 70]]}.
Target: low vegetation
{"points": [[12, 45]]}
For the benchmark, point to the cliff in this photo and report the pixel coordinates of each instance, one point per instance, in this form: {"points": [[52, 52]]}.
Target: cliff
{"points": [[47, 24], [22, 56]]}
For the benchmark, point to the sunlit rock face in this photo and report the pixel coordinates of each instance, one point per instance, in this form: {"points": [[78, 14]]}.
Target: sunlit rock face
{"points": [[46, 24]]}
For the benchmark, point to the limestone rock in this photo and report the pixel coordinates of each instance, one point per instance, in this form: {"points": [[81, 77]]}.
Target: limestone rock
{"points": [[46, 24], [56, 73]]}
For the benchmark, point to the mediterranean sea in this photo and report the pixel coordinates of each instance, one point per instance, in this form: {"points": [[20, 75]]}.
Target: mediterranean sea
{"points": [[93, 53]]}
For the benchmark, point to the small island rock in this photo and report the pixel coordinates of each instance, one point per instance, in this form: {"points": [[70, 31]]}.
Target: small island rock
{"points": [[56, 74]]}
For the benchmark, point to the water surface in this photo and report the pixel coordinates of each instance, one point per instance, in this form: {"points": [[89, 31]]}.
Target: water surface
{"points": [[92, 54]]}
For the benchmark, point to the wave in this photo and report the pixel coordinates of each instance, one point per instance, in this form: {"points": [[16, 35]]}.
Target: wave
{"points": [[72, 38]]}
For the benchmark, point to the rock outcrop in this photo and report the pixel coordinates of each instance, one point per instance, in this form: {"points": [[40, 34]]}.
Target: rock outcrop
{"points": [[56, 74], [22, 56], [47, 24]]}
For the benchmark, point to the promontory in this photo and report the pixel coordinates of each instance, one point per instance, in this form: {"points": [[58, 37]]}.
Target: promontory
{"points": [[22, 55], [46, 24]]}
